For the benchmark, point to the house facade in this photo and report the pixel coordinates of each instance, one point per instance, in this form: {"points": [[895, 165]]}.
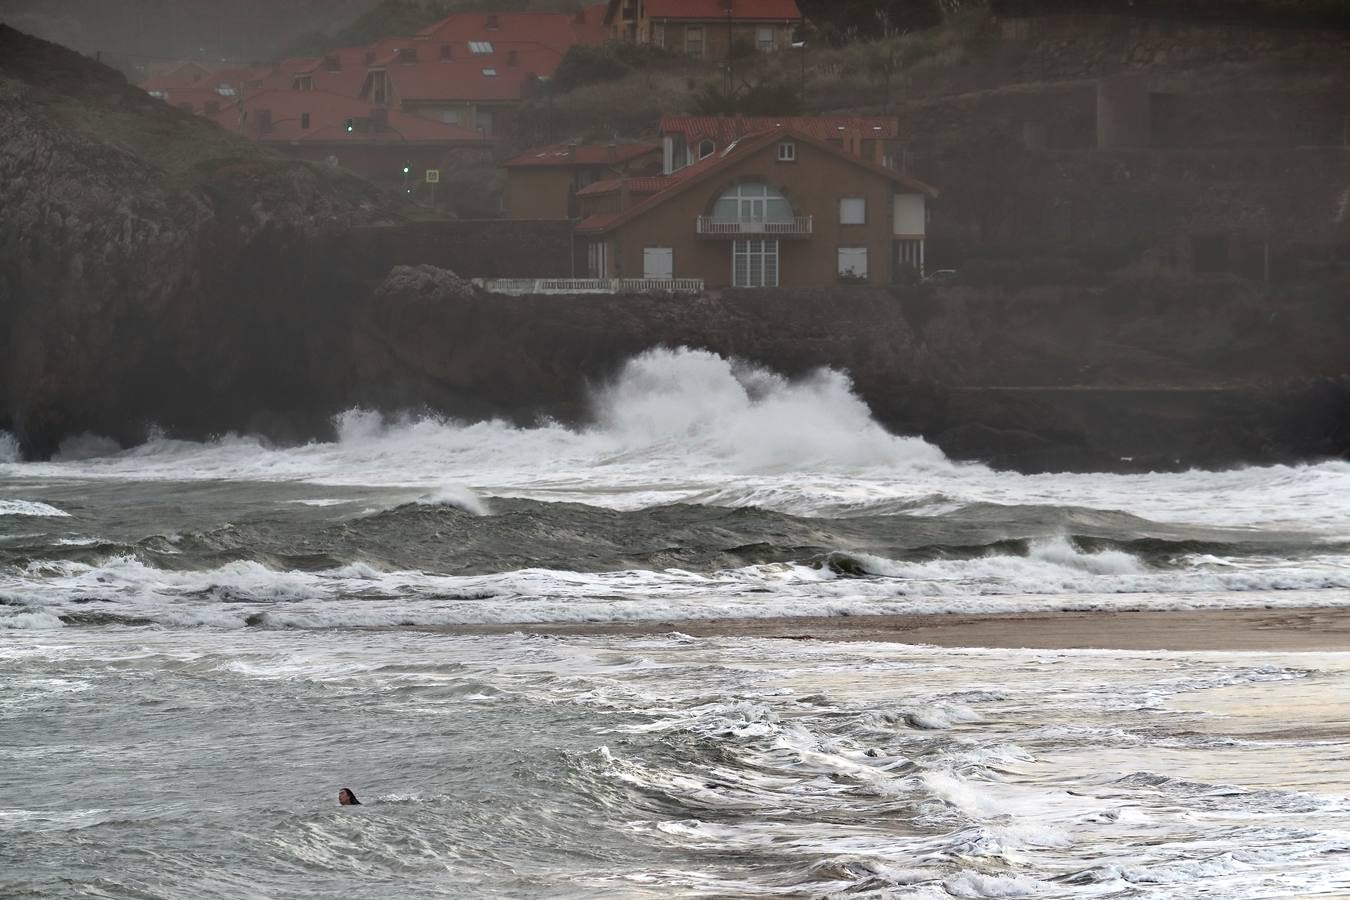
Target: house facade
{"points": [[780, 208], [707, 29], [374, 142], [543, 183]]}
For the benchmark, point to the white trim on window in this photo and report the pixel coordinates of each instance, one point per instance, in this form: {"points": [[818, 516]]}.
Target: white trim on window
{"points": [[852, 210], [787, 152], [852, 262]]}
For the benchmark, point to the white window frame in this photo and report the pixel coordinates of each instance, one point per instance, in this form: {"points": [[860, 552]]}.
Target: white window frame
{"points": [[489, 73], [664, 253], [787, 151], [480, 47], [852, 210], [764, 37], [597, 258], [702, 43], [761, 263], [853, 262]]}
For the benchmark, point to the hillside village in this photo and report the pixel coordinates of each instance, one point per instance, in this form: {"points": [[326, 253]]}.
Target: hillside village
{"points": [[739, 143]]}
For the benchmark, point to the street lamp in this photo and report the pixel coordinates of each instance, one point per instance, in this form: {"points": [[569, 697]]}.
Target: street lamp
{"points": [[801, 45]]}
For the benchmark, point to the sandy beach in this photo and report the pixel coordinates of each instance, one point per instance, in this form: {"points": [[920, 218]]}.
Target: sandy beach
{"points": [[1274, 630]]}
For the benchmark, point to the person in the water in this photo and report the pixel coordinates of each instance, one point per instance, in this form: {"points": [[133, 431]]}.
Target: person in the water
{"points": [[347, 798]]}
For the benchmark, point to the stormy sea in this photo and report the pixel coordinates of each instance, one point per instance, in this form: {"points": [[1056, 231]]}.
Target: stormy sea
{"points": [[200, 643]]}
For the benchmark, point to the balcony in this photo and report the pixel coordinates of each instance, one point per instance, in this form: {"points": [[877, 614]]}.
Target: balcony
{"points": [[796, 227], [572, 286]]}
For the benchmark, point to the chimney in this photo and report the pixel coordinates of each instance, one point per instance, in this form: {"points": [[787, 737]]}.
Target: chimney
{"points": [[571, 152], [264, 117]]}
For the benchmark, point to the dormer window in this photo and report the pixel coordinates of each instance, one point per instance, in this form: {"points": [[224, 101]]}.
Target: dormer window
{"points": [[489, 73], [445, 51], [480, 47], [706, 148], [492, 23], [407, 54], [787, 152], [304, 83]]}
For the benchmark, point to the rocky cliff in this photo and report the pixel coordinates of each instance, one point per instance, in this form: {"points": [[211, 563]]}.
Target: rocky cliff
{"points": [[138, 251]]}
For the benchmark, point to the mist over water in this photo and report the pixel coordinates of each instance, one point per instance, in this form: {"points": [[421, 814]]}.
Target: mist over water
{"points": [[176, 614]]}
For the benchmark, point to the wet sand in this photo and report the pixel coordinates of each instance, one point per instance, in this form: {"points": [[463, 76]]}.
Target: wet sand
{"points": [[1274, 630]]}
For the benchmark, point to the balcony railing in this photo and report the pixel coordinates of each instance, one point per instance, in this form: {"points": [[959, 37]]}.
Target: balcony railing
{"points": [[798, 226], [519, 286]]}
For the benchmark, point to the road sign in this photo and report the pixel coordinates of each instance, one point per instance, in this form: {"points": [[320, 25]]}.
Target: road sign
{"points": [[433, 176]]}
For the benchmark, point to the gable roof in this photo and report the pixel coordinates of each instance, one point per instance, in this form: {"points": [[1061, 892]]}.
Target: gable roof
{"points": [[637, 184], [759, 10], [686, 178], [556, 31], [472, 77], [724, 129], [563, 155]]}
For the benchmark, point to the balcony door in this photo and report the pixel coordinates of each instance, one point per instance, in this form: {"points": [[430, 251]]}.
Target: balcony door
{"points": [[754, 263], [752, 204]]}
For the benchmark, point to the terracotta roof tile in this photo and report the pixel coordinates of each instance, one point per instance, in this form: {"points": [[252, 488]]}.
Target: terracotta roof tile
{"points": [[732, 154], [557, 31], [714, 9], [560, 155], [724, 129]]}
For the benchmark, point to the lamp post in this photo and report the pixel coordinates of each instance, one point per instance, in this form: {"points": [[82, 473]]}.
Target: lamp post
{"points": [[801, 45]]}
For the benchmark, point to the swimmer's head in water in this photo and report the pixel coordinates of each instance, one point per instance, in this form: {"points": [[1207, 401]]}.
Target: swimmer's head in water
{"points": [[347, 798]]}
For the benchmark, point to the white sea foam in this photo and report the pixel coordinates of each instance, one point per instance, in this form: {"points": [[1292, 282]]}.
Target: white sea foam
{"points": [[9, 448], [681, 425], [31, 508], [359, 594]]}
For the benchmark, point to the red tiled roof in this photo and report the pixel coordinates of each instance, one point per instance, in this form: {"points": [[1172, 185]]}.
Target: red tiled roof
{"points": [[714, 9], [557, 31], [724, 129], [561, 155], [465, 77], [328, 114], [597, 221], [690, 175], [642, 184]]}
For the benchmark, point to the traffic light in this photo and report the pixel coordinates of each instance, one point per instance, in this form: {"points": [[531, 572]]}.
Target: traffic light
{"points": [[351, 125]]}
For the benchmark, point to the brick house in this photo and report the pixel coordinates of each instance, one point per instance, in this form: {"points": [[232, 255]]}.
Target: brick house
{"points": [[704, 28], [313, 125], [781, 207], [543, 183], [474, 69]]}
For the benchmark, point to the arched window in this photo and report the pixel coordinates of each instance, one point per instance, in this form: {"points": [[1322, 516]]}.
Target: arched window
{"points": [[752, 202], [706, 148]]}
